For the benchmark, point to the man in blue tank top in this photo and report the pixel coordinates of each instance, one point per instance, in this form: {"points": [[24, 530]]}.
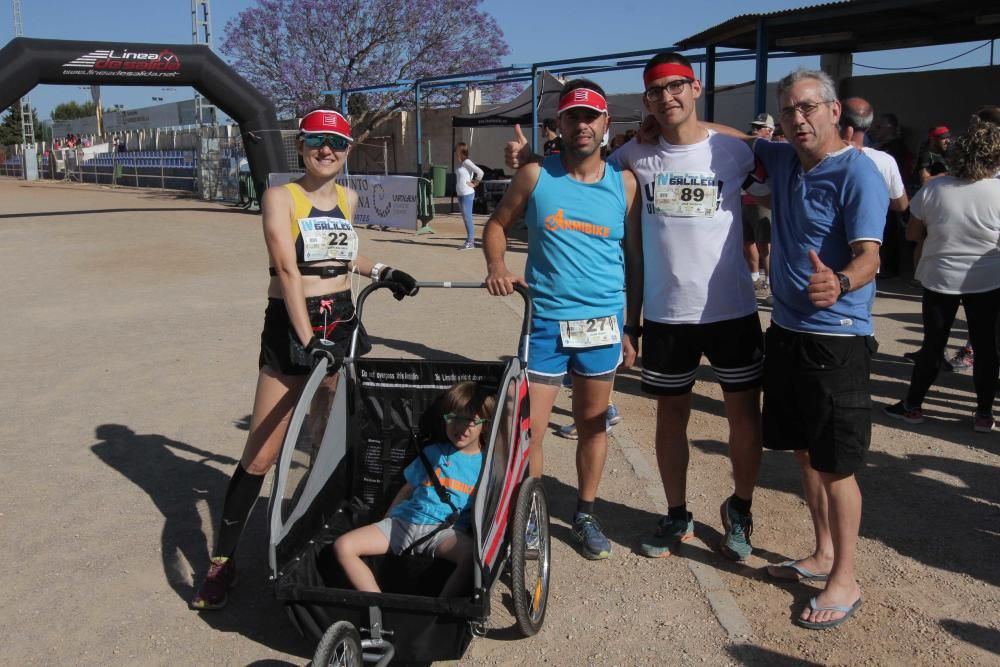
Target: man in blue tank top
{"points": [[575, 206]]}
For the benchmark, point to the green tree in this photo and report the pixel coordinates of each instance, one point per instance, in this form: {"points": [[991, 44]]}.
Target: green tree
{"points": [[10, 126], [72, 110]]}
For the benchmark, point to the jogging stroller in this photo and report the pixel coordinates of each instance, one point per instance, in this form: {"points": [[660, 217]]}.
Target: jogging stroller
{"points": [[350, 437]]}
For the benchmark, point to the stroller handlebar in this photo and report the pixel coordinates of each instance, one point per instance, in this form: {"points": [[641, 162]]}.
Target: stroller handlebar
{"points": [[522, 348]]}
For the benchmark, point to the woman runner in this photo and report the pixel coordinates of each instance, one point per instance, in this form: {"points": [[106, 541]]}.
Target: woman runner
{"points": [[314, 257]]}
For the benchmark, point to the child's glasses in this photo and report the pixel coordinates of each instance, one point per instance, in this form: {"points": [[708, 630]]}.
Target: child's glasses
{"points": [[334, 141], [462, 421]]}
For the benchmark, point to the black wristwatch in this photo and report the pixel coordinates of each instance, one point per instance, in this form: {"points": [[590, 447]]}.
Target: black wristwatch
{"points": [[630, 330], [845, 284]]}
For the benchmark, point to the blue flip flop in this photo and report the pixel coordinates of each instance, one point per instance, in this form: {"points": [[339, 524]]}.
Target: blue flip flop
{"points": [[847, 611], [801, 573]]}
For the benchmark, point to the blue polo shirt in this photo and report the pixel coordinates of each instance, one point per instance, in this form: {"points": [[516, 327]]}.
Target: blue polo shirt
{"points": [[840, 201]]}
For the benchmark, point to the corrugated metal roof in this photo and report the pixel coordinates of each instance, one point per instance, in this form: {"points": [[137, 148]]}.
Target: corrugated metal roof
{"points": [[857, 25]]}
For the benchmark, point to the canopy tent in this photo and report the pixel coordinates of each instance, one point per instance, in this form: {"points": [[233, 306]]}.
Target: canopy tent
{"points": [[518, 110]]}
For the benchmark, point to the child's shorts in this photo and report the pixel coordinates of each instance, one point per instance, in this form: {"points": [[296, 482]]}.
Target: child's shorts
{"points": [[401, 534]]}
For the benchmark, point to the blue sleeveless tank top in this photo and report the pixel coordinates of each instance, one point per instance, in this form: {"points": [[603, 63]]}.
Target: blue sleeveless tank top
{"points": [[576, 263]]}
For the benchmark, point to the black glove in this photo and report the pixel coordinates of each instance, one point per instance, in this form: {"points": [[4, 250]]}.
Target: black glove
{"points": [[321, 347], [402, 283]]}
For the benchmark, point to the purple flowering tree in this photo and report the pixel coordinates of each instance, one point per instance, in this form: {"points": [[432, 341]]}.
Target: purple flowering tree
{"points": [[293, 49]]}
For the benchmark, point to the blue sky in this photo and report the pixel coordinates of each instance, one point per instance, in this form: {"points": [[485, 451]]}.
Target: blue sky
{"points": [[536, 31]]}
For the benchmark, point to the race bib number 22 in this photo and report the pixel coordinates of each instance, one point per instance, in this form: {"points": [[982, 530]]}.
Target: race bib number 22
{"points": [[328, 238]]}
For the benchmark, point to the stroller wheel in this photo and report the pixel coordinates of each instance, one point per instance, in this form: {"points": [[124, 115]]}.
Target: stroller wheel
{"points": [[339, 647], [530, 557]]}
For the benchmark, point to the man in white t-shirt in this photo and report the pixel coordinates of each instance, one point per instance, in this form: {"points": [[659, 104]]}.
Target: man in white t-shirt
{"points": [[689, 279], [855, 120], [696, 296]]}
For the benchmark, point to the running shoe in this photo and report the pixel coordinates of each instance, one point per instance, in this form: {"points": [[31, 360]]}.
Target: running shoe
{"points": [[667, 537], [613, 417], [983, 423], [735, 544], [593, 544], [963, 360], [760, 287], [907, 414], [468, 246], [214, 591]]}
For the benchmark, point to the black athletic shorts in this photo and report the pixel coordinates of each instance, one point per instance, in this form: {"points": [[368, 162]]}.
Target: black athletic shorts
{"points": [[757, 219], [817, 397], [280, 348], [671, 354]]}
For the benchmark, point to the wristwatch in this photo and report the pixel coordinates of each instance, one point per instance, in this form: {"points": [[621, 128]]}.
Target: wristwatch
{"points": [[845, 284], [630, 330]]}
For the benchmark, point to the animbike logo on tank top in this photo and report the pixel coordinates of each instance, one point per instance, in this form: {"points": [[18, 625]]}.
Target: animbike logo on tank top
{"points": [[558, 222], [125, 62]]}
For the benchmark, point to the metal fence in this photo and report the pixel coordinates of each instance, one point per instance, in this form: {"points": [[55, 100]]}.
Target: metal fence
{"points": [[218, 169]]}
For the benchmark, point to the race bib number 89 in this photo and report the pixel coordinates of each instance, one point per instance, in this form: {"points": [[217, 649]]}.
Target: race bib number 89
{"points": [[590, 333], [328, 238], [686, 195]]}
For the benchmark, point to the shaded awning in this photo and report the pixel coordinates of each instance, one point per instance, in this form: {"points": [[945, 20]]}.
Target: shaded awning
{"points": [[855, 26], [518, 110]]}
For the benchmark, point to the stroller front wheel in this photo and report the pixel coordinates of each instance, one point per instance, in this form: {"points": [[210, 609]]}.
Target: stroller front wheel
{"points": [[339, 647], [530, 558]]}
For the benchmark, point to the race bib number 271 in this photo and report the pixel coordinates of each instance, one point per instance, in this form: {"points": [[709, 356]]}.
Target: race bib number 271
{"points": [[590, 333]]}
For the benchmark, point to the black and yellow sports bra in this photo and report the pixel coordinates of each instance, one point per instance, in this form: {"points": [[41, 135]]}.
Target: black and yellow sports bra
{"points": [[321, 236]]}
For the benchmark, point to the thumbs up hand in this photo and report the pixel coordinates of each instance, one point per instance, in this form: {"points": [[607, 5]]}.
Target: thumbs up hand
{"points": [[824, 285], [516, 153]]}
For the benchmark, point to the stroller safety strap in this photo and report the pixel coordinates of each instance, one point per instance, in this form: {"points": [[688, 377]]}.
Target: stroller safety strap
{"points": [[443, 493]]}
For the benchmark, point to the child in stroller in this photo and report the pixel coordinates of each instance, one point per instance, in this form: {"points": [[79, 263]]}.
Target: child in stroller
{"points": [[428, 516]]}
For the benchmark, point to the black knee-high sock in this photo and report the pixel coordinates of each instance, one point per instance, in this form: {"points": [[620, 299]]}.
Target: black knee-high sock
{"points": [[240, 498]]}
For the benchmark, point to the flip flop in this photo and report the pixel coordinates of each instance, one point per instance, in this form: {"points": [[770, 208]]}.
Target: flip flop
{"points": [[847, 611], [799, 573]]}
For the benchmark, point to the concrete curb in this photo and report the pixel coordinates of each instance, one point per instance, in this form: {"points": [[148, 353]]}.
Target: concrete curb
{"points": [[723, 605]]}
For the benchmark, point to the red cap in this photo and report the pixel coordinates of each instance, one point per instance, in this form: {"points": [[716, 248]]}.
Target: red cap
{"points": [[583, 97], [939, 132], [667, 69], [322, 121]]}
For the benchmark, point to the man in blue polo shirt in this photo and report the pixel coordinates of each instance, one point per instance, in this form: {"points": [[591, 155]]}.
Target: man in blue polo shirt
{"points": [[829, 203]]}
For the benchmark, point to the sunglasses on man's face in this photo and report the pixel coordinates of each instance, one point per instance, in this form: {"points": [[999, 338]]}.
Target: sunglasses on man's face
{"points": [[334, 141]]}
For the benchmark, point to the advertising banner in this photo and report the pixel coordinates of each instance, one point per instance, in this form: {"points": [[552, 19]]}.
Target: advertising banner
{"points": [[388, 201]]}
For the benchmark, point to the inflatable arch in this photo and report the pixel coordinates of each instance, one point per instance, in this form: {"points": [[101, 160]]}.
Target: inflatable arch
{"points": [[25, 63]]}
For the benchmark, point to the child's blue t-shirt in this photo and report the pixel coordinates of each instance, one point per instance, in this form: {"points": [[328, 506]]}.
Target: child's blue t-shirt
{"points": [[458, 473]]}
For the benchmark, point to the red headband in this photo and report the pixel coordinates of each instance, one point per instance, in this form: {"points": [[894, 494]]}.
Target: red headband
{"points": [[583, 97], [322, 121], [939, 131], [666, 69]]}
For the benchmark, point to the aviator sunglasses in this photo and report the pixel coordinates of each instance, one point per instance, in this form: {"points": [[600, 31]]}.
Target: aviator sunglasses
{"points": [[334, 141]]}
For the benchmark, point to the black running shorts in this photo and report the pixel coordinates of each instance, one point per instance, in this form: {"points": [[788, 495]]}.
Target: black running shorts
{"points": [[671, 354], [280, 348]]}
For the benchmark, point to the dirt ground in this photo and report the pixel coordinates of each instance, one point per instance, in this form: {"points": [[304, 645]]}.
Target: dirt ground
{"points": [[129, 348]]}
